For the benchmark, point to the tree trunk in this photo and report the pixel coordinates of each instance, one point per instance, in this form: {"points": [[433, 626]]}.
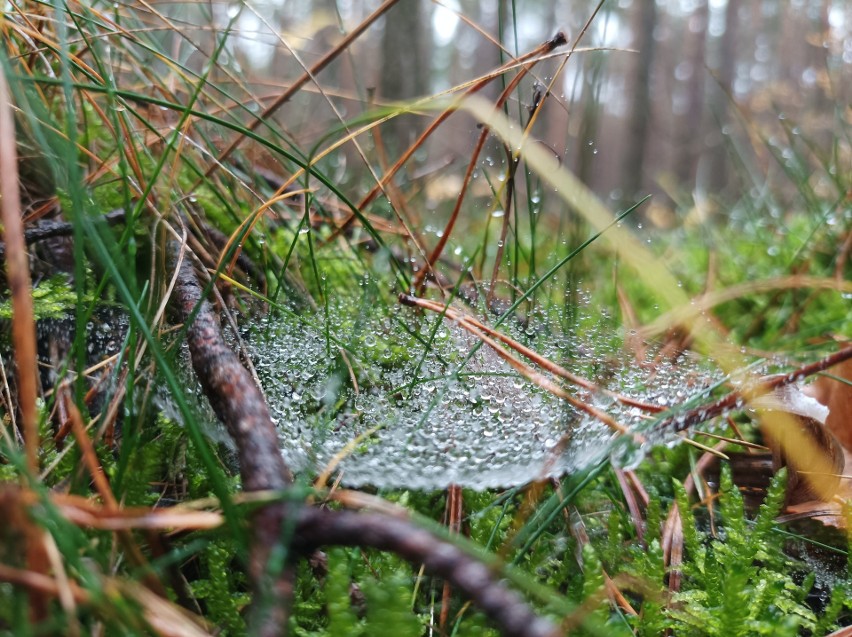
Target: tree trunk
{"points": [[717, 174], [688, 133], [404, 72], [644, 20]]}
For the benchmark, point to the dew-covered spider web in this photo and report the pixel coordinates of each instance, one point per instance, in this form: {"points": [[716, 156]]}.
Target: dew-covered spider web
{"points": [[414, 401]]}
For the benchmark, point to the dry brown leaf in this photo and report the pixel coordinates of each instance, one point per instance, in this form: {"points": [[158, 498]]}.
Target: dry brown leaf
{"points": [[828, 513], [800, 486], [813, 474], [837, 396]]}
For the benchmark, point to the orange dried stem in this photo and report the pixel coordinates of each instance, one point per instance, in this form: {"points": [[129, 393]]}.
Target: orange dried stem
{"points": [[18, 274], [483, 136], [481, 332], [546, 47], [307, 76], [534, 356]]}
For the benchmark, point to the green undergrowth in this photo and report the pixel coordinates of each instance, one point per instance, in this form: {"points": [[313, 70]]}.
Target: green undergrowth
{"points": [[736, 578], [742, 572]]}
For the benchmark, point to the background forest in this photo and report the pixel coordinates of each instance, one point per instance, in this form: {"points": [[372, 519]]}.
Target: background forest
{"points": [[668, 106], [407, 318]]}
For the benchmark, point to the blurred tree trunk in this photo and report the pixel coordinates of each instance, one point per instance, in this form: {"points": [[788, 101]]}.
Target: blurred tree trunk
{"points": [[587, 137], [687, 143], [404, 70], [818, 57], [638, 82], [717, 175]]}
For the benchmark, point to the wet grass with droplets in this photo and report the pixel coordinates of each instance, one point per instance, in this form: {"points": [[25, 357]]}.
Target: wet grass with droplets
{"points": [[341, 360]]}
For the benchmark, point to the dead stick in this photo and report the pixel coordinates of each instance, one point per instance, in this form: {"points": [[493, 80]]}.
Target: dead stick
{"points": [[318, 527], [240, 405]]}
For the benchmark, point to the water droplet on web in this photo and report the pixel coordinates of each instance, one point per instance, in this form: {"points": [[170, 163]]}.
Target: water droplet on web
{"points": [[429, 417]]}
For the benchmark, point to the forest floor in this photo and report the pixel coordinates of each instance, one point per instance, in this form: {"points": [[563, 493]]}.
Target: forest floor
{"points": [[245, 394]]}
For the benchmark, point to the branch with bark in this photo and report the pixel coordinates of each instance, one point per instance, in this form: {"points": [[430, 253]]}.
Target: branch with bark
{"points": [[240, 405]]}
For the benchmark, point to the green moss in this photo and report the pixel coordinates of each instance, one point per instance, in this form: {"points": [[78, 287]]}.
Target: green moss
{"points": [[220, 589], [52, 298]]}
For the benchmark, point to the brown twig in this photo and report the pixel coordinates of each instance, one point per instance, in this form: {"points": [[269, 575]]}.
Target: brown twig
{"points": [[319, 527], [703, 413], [50, 228], [240, 405]]}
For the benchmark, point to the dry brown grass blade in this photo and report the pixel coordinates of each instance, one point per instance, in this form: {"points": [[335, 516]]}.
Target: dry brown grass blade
{"points": [[557, 41], [23, 321], [750, 391], [534, 356], [147, 519], [87, 450], [399, 206], [577, 528], [672, 533], [734, 441], [53, 45], [483, 137], [93, 466], [245, 228], [102, 168], [83, 511], [425, 103], [704, 448], [630, 497], [673, 552], [515, 154], [166, 618], [38, 582], [630, 320], [474, 158], [64, 592], [477, 329], [448, 228], [348, 449], [306, 77], [18, 274], [455, 511]]}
